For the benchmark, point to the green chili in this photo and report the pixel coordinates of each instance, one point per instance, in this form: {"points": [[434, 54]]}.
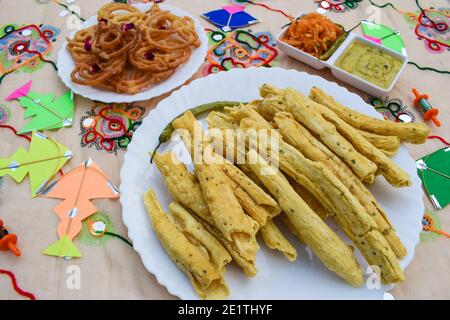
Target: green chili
{"points": [[327, 54], [167, 132]]}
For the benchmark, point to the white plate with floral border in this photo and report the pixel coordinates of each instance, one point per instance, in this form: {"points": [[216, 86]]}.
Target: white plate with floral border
{"points": [[277, 278]]}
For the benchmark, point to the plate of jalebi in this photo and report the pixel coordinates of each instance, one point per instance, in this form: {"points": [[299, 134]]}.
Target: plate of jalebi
{"points": [[132, 52]]}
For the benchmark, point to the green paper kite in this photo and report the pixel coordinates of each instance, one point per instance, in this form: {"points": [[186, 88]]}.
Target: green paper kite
{"points": [[47, 112], [384, 35], [64, 247], [43, 160], [434, 171]]}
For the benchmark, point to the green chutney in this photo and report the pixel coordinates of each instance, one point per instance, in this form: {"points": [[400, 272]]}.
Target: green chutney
{"points": [[370, 63]]}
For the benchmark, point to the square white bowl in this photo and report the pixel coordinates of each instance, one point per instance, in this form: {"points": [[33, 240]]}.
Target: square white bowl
{"points": [[356, 81], [298, 54]]}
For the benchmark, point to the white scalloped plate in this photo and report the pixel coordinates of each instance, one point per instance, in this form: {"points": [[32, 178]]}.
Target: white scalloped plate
{"points": [[66, 64], [277, 278]]}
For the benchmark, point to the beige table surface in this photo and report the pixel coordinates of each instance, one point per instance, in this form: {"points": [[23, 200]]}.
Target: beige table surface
{"points": [[115, 271]]}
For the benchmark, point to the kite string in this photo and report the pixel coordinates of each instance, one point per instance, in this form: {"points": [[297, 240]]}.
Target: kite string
{"points": [[16, 287], [68, 9], [434, 25], [119, 237], [437, 231], [268, 8], [25, 137], [440, 139], [76, 199], [40, 57], [428, 68], [15, 131]]}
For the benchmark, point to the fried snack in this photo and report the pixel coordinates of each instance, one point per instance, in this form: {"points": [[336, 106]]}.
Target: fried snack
{"points": [[254, 210], [129, 50], [395, 175], [206, 280], [388, 144], [359, 226], [313, 33], [247, 111], [248, 266], [310, 200], [363, 167], [275, 240], [182, 184], [287, 100], [299, 137], [220, 120], [326, 245], [185, 189], [227, 213], [256, 193], [199, 236], [409, 132]]}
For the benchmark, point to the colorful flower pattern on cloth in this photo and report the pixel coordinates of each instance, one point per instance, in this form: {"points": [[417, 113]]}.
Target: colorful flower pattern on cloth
{"points": [[5, 114], [436, 33], [430, 221], [21, 46], [392, 109], [110, 127], [239, 49], [337, 5], [94, 228]]}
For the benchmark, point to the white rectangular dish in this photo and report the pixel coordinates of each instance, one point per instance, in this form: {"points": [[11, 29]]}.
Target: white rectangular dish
{"points": [[339, 73], [298, 54]]}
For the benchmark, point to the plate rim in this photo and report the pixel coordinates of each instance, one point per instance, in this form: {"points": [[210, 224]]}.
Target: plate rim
{"points": [[128, 98], [154, 269]]}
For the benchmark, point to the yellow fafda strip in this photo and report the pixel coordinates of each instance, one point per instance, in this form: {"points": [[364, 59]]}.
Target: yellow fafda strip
{"points": [[326, 245]]}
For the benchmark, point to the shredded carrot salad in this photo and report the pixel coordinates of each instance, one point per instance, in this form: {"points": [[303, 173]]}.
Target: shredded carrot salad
{"points": [[313, 33]]}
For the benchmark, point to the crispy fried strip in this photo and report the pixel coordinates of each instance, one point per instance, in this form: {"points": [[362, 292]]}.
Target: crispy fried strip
{"points": [[254, 210], [191, 228], [206, 280], [348, 212], [184, 187], [395, 175], [227, 213], [182, 184], [220, 120], [246, 265], [310, 200], [275, 240], [325, 244], [388, 144], [258, 195], [409, 132], [329, 135], [272, 236], [299, 137]]}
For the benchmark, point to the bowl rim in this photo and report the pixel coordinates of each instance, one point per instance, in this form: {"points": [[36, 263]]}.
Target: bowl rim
{"points": [[359, 38]]}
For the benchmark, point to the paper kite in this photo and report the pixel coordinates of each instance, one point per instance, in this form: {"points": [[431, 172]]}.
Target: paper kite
{"points": [[41, 162], [434, 171], [383, 35], [76, 188], [48, 113], [230, 17]]}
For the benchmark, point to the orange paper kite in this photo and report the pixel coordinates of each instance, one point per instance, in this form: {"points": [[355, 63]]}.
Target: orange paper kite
{"points": [[77, 188]]}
